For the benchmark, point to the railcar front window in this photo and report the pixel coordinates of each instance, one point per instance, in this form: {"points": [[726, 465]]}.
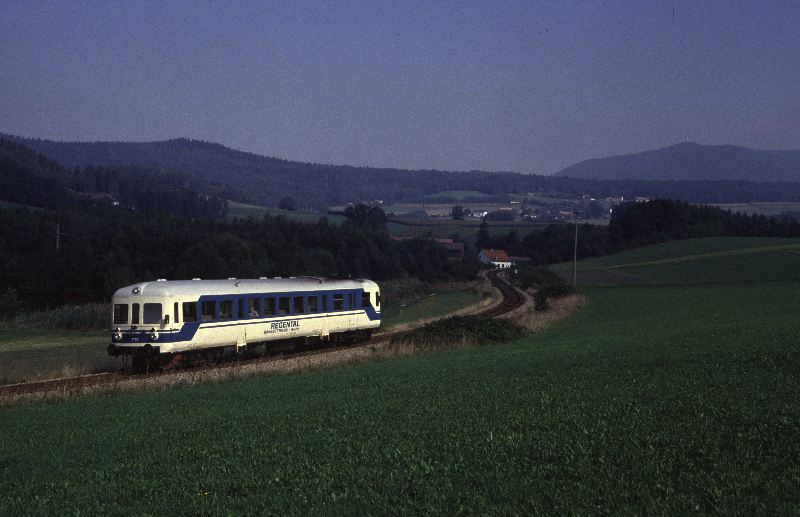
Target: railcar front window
{"points": [[209, 309], [313, 304], [189, 311], [135, 314], [338, 302], [120, 313], [226, 309], [283, 305], [152, 313], [377, 300]]}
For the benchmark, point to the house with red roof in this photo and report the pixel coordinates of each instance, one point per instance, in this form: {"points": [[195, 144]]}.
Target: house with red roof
{"points": [[497, 258]]}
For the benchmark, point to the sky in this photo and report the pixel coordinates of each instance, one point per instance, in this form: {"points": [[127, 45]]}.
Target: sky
{"points": [[529, 87]]}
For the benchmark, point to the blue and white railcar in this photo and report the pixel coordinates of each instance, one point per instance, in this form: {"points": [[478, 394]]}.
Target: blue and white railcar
{"points": [[171, 317]]}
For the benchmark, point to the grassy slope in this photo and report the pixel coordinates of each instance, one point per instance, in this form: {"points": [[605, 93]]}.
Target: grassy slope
{"points": [[724, 259], [428, 307], [654, 399], [30, 354], [243, 211]]}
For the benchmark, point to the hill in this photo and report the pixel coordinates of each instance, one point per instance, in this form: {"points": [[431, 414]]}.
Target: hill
{"points": [[31, 179], [658, 399], [265, 180], [692, 162]]}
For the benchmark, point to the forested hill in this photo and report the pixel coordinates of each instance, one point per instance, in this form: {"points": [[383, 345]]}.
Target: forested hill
{"points": [[264, 180], [691, 161], [29, 178]]}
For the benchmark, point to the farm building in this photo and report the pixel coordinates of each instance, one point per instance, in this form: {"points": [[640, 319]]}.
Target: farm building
{"points": [[498, 258]]}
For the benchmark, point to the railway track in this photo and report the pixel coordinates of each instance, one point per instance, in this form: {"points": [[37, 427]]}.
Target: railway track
{"points": [[511, 300]]}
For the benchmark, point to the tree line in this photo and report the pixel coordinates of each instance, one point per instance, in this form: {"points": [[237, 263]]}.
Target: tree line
{"points": [[634, 225], [103, 248]]}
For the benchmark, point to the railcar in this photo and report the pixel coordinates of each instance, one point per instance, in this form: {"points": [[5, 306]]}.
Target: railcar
{"points": [[161, 319]]}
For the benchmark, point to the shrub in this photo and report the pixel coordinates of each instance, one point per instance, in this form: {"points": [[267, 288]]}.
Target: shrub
{"points": [[461, 331], [92, 316]]}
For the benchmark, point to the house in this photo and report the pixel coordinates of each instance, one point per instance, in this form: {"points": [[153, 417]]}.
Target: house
{"points": [[497, 258]]}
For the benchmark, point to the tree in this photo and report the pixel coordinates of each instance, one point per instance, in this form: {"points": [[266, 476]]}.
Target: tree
{"points": [[287, 203], [483, 239]]}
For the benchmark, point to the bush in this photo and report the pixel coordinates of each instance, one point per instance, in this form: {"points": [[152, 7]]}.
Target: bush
{"points": [[9, 304], [93, 316], [461, 331]]}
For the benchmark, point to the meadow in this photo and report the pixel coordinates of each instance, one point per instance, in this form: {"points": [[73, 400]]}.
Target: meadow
{"points": [[672, 397], [33, 354]]}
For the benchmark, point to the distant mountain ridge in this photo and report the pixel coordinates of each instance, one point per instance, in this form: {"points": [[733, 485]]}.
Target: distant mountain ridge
{"points": [[216, 170], [692, 162]]}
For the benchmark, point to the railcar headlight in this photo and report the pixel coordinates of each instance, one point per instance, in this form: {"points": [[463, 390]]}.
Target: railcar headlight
{"points": [[153, 334], [117, 334]]}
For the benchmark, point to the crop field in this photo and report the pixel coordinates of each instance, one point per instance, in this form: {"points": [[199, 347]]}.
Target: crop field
{"points": [[654, 399]]}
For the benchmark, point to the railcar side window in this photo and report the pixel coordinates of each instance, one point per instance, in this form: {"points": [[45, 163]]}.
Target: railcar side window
{"points": [[299, 305], [226, 309], [189, 311], [324, 306], [135, 314], [176, 313], [313, 304], [253, 308], [352, 300], [240, 314], [121, 313], [269, 306], [338, 302], [364, 300], [209, 309], [283, 305], [152, 313]]}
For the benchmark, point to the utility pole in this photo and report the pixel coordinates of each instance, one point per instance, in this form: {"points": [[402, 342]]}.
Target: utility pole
{"points": [[575, 251], [58, 236]]}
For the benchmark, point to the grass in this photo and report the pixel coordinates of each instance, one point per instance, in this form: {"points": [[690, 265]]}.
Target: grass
{"points": [[433, 306], [32, 354], [655, 399], [244, 211], [723, 259], [459, 194]]}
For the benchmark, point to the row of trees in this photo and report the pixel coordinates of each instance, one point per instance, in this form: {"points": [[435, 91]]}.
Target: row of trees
{"points": [[104, 248], [635, 225]]}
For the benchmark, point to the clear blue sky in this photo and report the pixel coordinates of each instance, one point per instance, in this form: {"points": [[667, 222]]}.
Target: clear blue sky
{"points": [[522, 86]]}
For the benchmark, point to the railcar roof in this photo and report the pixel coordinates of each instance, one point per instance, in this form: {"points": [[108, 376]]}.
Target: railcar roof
{"points": [[238, 286]]}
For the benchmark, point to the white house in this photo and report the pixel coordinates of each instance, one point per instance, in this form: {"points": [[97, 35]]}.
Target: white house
{"points": [[498, 258]]}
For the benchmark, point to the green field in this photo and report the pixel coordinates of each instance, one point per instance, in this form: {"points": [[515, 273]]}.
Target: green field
{"points": [[432, 306], [669, 398], [719, 259], [28, 354], [244, 211], [458, 194]]}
